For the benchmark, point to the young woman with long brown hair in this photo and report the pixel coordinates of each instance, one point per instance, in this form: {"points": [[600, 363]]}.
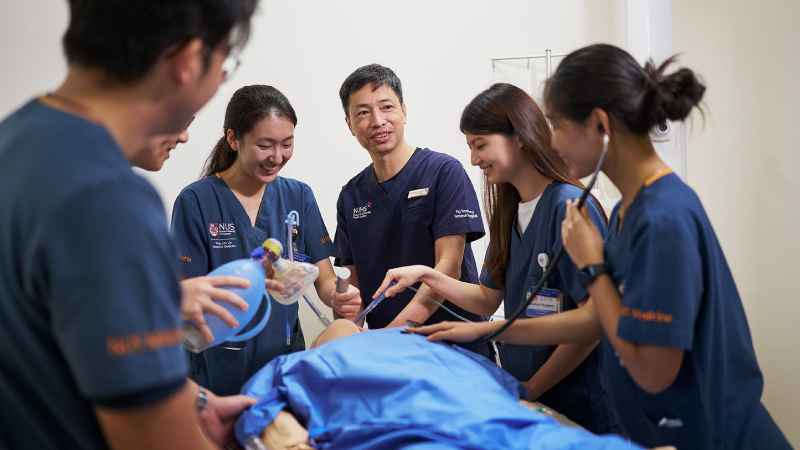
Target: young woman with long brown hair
{"points": [[527, 185]]}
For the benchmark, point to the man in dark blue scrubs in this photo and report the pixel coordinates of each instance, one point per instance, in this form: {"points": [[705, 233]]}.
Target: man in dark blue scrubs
{"points": [[89, 298], [410, 206]]}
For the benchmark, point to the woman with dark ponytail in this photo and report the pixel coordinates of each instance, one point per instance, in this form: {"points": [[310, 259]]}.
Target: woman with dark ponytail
{"points": [[238, 203], [526, 188], [680, 359]]}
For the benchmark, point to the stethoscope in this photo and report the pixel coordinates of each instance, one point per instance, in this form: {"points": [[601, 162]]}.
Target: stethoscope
{"points": [[524, 305]]}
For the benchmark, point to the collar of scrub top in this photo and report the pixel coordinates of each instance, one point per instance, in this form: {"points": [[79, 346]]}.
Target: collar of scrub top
{"points": [[391, 197]]}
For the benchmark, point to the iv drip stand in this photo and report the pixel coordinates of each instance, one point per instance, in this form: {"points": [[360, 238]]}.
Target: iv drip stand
{"points": [[548, 54]]}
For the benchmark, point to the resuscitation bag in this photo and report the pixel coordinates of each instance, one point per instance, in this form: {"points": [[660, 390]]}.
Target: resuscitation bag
{"points": [[252, 270]]}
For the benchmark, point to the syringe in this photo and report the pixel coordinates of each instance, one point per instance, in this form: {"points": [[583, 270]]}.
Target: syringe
{"points": [[373, 303]]}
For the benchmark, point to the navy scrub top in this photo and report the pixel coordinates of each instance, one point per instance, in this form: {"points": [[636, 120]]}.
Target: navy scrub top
{"points": [[89, 297], [581, 395], [677, 291], [380, 228], [210, 227]]}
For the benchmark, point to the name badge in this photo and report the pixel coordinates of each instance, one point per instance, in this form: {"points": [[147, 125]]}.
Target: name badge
{"points": [[547, 302], [299, 257], [418, 193]]}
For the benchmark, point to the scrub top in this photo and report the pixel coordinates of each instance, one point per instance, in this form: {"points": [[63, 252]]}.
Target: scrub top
{"points": [[210, 227], [677, 291], [581, 395], [383, 227], [89, 297]]}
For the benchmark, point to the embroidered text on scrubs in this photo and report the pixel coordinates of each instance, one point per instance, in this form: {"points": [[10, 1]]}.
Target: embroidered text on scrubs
{"points": [[462, 213], [362, 211], [139, 342], [221, 229], [647, 316]]}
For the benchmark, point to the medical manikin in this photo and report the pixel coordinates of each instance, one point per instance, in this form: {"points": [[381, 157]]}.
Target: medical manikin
{"points": [[386, 389]]}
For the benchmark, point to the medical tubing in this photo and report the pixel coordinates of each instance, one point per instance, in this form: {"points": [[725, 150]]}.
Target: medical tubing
{"points": [[524, 305], [325, 321], [288, 330], [440, 305]]}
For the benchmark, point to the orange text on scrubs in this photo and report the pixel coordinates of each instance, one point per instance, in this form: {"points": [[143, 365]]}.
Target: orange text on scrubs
{"points": [[139, 342], [647, 316]]}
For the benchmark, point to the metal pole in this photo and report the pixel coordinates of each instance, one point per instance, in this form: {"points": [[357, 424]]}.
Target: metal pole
{"points": [[547, 54]]}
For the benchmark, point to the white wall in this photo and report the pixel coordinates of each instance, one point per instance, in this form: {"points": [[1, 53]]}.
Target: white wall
{"points": [[745, 165]]}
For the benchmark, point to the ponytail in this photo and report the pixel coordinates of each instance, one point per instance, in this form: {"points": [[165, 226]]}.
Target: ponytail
{"points": [[220, 159]]}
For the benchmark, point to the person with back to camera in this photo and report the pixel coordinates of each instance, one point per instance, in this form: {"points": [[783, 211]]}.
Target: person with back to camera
{"points": [[410, 206], [679, 356], [89, 298], [241, 194], [526, 186]]}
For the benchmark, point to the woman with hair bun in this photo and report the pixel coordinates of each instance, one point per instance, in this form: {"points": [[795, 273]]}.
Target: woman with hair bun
{"points": [[239, 202], [680, 359]]}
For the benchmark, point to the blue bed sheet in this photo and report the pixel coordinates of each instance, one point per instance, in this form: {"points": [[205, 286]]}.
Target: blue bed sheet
{"points": [[385, 390]]}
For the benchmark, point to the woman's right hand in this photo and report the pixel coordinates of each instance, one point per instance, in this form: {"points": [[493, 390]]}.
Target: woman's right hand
{"points": [[460, 332], [404, 276], [199, 295]]}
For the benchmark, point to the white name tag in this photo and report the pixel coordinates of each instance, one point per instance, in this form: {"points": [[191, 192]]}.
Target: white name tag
{"points": [[418, 193], [547, 302]]}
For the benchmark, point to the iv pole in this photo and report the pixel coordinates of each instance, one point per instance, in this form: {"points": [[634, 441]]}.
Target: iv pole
{"points": [[548, 54]]}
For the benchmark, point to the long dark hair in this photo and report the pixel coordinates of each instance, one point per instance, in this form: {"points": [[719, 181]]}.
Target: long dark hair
{"points": [[607, 77], [506, 109], [248, 105]]}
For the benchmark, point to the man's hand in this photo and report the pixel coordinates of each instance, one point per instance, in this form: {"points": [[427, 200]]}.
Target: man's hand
{"points": [[347, 304], [198, 299], [219, 415]]}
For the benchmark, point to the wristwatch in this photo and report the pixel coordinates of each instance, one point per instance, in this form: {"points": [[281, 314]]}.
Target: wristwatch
{"points": [[588, 274], [202, 399]]}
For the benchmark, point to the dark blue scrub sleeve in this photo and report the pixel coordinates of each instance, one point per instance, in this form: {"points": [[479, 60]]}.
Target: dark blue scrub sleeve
{"points": [[342, 238], [189, 234], [115, 298], [457, 208], [318, 245], [664, 283]]}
